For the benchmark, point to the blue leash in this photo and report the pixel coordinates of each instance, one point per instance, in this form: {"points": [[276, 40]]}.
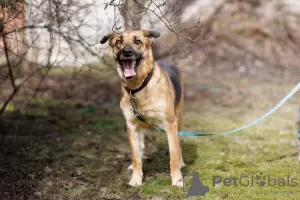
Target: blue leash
{"points": [[283, 101]]}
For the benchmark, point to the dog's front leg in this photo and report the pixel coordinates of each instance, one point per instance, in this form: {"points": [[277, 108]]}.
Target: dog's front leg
{"points": [[136, 140], [142, 133], [174, 149]]}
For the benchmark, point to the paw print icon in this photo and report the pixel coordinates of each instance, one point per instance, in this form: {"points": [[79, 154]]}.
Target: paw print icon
{"points": [[261, 181]]}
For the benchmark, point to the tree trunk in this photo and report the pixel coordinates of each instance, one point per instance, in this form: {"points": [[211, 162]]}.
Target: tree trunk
{"points": [[132, 12]]}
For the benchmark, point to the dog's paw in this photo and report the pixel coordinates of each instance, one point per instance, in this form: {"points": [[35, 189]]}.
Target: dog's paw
{"points": [[177, 179], [177, 182], [130, 167], [136, 181]]}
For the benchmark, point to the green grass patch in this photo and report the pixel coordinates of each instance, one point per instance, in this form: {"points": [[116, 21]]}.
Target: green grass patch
{"points": [[85, 155]]}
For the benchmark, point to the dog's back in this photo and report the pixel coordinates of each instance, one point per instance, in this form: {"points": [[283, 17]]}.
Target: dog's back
{"points": [[174, 76]]}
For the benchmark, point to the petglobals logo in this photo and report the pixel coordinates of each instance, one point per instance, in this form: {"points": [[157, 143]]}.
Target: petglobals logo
{"points": [[195, 187], [255, 180]]}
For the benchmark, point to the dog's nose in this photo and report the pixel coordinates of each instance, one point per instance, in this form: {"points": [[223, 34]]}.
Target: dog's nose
{"points": [[127, 51]]}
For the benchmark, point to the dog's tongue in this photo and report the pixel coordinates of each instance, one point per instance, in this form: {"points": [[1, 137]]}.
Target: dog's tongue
{"points": [[128, 66]]}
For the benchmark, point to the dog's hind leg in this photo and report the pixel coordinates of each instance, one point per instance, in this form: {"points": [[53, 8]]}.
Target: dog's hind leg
{"points": [[180, 154], [179, 124]]}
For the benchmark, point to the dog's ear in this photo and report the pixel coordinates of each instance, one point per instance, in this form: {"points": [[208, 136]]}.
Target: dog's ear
{"points": [[153, 34], [107, 37], [104, 39]]}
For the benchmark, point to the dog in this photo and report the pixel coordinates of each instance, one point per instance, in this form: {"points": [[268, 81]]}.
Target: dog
{"points": [[153, 90]]}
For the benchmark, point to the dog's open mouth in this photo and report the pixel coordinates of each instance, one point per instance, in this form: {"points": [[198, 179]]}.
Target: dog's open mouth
{"points": [[129, 67]]}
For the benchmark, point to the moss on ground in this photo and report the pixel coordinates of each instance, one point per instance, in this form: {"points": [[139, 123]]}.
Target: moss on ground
{"points": [[72, 154]]}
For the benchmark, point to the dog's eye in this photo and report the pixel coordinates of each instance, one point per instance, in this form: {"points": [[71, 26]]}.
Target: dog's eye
{"points": [[119, 41], [137, 41]]}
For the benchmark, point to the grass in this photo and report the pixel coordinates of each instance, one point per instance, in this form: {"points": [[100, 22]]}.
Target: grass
{"points": [[75, 154]]}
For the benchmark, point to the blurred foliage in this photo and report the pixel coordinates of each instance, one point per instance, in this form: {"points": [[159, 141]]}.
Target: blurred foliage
{"points": [[9, 108]]}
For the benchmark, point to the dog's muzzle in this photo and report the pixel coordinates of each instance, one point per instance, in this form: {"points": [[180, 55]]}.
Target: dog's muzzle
{"points": [[129, 60]]}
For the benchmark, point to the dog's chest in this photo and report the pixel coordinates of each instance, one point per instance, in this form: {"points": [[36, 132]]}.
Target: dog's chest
{"points": [[153, 111]]}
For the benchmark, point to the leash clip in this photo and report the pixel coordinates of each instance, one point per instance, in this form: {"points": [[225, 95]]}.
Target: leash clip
{"points": [[132, 102], [137, 113], [132, 99]]}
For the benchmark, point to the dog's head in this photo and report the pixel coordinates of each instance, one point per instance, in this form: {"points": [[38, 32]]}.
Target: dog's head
{"points": [[130, 50]]}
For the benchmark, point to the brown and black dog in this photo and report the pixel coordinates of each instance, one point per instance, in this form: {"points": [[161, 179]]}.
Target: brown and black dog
{"points": [[157, 89]]}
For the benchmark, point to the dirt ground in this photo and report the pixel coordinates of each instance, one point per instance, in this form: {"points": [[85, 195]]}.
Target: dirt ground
{"points": [[73, 145]]}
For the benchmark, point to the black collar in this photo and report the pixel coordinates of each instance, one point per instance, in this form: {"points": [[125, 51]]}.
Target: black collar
{"points": [[144, 84]]}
